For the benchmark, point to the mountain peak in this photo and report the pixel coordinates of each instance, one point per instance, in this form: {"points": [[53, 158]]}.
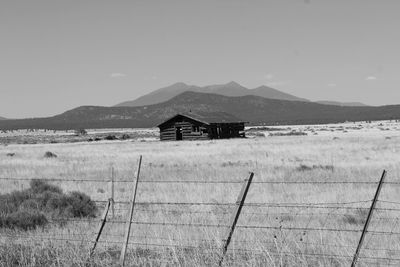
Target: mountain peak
{"points": [[231, 88], [272, 93], [233, 83], [178, 84], [343, 104]]}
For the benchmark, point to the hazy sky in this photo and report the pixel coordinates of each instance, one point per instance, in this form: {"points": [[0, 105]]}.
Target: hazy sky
{"points": [[59, 54]]}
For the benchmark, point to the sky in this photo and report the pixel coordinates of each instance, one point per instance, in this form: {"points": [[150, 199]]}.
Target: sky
{"points": [[56, 55]]}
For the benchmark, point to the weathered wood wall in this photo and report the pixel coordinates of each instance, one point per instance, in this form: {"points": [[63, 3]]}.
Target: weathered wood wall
{"points": [[168, 132], [211, 131], [226, 130]]}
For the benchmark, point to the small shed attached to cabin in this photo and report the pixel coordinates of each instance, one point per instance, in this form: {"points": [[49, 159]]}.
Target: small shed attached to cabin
{"points": [[196, 127]]}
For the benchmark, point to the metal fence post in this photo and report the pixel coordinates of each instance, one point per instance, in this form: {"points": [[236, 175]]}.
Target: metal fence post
{"points": [[112, 192], [371, 211], [130, 216], [236, 214], [101, 227]]}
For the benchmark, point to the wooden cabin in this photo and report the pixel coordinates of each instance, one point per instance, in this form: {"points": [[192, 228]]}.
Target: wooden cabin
{"points": [[194, 127]]}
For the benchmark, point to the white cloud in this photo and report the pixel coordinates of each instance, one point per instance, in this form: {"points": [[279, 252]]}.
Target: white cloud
{"points": [[370, 78], [332, 84], [268, 76], [117, 75], [277, 83]]}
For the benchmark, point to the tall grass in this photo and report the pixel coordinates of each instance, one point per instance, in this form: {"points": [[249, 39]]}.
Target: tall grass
{"points": [[358, 156]]}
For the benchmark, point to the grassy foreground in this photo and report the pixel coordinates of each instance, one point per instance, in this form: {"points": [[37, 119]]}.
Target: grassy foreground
{"points": [[315, 224]]}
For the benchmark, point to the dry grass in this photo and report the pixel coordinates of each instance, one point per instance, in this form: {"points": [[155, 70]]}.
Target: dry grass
{"points": [[359, 153]]}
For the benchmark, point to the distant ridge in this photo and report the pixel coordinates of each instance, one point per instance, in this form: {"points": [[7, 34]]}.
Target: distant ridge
{"points": [[253, 109], [2, 118], [343, 104], [228, 89]]}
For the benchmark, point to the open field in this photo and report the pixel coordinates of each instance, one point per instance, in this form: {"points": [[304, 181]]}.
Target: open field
{"points": [[40, 136], [306, 207]]}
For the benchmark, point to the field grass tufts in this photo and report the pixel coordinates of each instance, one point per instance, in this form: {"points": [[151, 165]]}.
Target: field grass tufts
{"points": [[303, 168]]}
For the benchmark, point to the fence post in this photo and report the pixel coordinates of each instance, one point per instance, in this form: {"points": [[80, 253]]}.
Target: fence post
{"points": [[101, 227], [236, 214], [371, 211], [112, 191], [129, 221]]}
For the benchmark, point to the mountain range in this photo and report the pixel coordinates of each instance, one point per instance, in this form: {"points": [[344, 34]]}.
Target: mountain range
{"points": [[229, 89], [255, 110], [2, 118], [343, 104]]}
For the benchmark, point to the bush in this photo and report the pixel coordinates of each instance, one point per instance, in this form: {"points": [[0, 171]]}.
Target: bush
{"points": [[11, 202], [303, 168], [29, 205], [26, 209], [57, 206], [81, 205], [292, 133], [40, 186], [125, 137], [23, 220], [110, 137], [80, 132], [49, 154], [75, 204]]}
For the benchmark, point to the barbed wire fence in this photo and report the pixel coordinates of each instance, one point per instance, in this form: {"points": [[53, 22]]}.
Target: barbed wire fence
{"points": [[218, 233]]}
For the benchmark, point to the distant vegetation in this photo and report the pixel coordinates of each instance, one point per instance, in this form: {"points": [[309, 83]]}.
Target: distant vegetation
{"points": [[81, 131], [34, 207]]}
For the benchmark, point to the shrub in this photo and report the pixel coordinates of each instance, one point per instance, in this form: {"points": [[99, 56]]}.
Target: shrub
{"points": [[125, 136], [81, 205], [292, 133], [110, 137], [80, 132], [40, 186], [49, 154], [29, 208], [258, 134], [75, 204], [58, 206], [356, 219], [303, 167], [11, 202], [29, 205], [23, 220]]}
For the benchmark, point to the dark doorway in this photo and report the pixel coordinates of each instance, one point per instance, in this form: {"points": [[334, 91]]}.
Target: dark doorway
{"points": [[178, 133]]}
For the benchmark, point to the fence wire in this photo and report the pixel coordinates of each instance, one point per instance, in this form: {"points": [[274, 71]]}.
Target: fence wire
{"points": [[282, 233]]}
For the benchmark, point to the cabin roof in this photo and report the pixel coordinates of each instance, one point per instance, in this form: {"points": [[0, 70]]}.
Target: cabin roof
{"points": [[209, 118]]}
